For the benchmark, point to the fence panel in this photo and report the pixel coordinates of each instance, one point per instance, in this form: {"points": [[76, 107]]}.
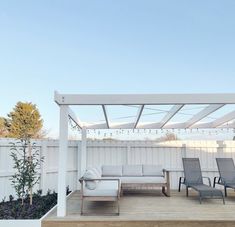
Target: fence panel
{"points": [[168, 154]]}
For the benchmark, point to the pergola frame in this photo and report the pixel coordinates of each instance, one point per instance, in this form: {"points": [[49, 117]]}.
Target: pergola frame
{"points": [[178, 101]]}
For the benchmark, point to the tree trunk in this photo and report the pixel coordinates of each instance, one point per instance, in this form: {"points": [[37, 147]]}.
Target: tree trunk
{"points": [[31, 197]]}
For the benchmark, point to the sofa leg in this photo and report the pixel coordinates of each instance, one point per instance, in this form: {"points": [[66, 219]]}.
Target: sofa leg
{"points": [[121, 192], [163, 190], [81, 207], [166, 191], [118, 207]]}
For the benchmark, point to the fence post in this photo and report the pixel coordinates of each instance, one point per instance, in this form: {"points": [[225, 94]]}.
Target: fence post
{"points": [[43, 181], [183, 151], [128, 149], [220, 149]]}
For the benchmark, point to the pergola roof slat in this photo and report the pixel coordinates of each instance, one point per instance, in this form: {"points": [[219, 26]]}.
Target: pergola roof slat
{"points": [[226, 118], [202, 114], [106, 115], [173, 111], [74, 118], [141, 108]]}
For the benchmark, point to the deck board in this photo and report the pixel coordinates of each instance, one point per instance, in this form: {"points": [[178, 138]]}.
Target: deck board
{"points": [[150, 209]]}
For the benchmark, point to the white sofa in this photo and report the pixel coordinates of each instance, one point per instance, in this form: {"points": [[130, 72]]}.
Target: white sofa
{"points": [[109, 181], [139, 176]]}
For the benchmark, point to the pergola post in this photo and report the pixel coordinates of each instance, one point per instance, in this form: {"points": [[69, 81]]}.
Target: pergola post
{"points": [[63, 148], [83, 156]]}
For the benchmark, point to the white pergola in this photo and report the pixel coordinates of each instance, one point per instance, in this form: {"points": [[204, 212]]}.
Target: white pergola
{"points": [[213, 103]]}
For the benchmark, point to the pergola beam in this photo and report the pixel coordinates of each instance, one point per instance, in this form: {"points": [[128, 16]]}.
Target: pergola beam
{"points": [[175, 126], [141, 108], [113, 126], [143, 99], [106, 115], [228, 126]]}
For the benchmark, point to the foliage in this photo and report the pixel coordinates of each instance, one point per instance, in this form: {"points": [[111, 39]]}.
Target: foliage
{"points": [[3, 128], [42, 204], [169, 136], [26, 160], [24, 121]]}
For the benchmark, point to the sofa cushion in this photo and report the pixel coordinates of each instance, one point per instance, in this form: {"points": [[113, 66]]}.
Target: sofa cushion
{"points": [[142, 180], [132, 170], [108, 170], [89, 175], [98, 170], [152, 170], [104, 188]]}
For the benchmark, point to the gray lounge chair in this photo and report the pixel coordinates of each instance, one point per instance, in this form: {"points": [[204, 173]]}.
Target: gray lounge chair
{"points": [[227, 173], [193, 179]]}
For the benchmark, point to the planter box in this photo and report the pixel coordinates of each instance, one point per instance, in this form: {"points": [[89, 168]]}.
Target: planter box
{"points": [[21, 223], [27, 222]]}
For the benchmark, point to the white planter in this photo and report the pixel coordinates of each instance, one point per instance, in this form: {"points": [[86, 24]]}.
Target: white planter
{"points": [[20, 223], [24, 222], [27, 222]]}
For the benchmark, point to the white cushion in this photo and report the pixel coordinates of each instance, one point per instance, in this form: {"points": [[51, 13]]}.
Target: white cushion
{"points": [[98, 170], [104, 188], [152, 170], [89, 175], [143, 180], [108, 170], [132, 170]]}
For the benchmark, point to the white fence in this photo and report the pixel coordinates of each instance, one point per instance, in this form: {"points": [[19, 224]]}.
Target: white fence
{"points": [[168, 154]]}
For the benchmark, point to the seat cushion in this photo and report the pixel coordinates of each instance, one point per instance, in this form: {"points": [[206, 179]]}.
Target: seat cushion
{"points": [[104, 188], [108, 170], [132, 170], [142, 180], [152, 170]]}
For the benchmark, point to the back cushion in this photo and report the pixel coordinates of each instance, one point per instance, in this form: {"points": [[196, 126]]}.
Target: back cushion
{"points": [[152, 170], [132, 170], [111, 171]]}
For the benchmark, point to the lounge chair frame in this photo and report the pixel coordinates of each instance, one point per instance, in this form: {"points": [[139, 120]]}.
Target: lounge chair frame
{"points": [[196, 181], [222, 179]]}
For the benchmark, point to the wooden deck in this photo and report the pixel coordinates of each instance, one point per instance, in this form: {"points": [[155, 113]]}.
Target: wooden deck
{"points": [[149, 209]]}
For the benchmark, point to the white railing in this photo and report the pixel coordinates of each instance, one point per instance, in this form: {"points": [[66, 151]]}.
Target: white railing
{"points": [[168, 154]]}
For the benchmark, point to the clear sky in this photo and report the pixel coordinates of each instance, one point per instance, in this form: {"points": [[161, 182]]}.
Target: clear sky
{"points": [[107, 46]]}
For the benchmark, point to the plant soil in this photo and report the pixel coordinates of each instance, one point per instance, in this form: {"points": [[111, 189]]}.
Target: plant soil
{"points": [[41, 205]]}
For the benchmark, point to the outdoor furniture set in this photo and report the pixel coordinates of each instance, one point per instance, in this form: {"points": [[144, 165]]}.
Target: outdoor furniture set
{"points": [[108, 182]]}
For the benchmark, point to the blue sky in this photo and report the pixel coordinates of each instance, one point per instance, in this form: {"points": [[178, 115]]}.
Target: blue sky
{"points": [[105, 46]]}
